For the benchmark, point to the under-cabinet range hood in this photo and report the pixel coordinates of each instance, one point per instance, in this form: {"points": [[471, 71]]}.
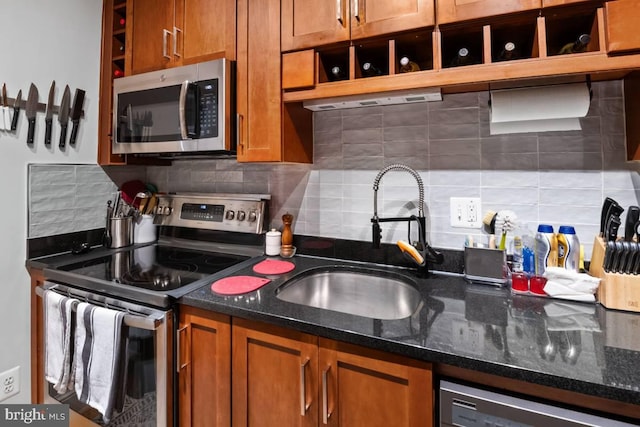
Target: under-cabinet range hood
{"points": [[387, 98]]}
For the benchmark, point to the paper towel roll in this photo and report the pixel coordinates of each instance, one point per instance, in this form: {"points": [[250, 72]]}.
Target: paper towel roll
{"points": [[539, 109]]}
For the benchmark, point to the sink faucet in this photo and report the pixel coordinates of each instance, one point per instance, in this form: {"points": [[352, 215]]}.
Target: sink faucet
{"points": [[419, 252]]}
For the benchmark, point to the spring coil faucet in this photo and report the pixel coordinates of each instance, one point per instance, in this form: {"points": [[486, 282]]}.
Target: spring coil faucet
{"points": [[423, 251]]}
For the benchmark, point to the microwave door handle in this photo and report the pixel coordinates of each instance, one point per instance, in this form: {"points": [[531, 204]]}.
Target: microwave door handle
{"points": [[183, 109]]}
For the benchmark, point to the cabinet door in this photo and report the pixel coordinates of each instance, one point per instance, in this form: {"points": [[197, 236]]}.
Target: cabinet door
{"points": [[378, 17], [274, 376], [204, 377], [151, 40], [259, 85], [362, 387], [205, 29], [622, 17], [551, 3], [462, 10], [310, 23]]}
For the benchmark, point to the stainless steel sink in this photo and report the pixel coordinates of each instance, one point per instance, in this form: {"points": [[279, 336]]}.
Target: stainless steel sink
{"points": [[370, 293]]}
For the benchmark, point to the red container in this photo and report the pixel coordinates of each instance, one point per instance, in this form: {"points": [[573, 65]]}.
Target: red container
{"points": [[519, 282], [536, 285]]}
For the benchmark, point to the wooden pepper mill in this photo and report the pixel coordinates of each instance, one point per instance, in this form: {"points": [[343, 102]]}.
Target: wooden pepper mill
{"points": [[287, 250]]}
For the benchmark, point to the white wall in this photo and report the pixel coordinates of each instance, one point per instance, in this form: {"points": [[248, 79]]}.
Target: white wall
{"points": [[43, 40]]}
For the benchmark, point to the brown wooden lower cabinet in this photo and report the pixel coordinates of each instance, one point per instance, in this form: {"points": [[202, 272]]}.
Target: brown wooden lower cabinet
{"points": [[282, 377], [204, 376], [363, 387]]}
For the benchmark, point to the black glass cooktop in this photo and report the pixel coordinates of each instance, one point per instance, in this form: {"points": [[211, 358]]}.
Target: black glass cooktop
{"points": [[155, 267]]}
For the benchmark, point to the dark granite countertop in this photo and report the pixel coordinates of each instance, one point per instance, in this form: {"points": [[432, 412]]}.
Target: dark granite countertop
{"points": [[579, 347]]}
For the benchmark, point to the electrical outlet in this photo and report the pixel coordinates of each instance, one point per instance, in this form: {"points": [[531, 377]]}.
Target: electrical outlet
{"points": [[9, 383], [465, 212]]}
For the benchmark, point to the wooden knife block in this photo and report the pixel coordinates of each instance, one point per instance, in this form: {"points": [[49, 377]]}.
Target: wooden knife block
{"points": [[616, 290]]}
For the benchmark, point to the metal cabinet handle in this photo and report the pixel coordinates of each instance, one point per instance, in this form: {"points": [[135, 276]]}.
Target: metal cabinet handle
{"points": [[339, 11], [325, 396], [304, 406], [176, 30], [165, 33], [356, 9], [179, 365], [239, 143]]}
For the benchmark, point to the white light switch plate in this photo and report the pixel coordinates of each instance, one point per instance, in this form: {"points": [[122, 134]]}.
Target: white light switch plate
{"points": [[465, 212]]}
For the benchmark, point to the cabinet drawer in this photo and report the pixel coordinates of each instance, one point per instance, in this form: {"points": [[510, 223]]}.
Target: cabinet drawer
{"points": [[463, 10], [622, 17]]}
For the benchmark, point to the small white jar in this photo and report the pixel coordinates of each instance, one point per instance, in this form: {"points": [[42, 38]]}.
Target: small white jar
{"points": [[272, 242]]}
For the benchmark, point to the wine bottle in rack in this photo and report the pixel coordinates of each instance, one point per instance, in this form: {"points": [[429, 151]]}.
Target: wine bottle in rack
{"points": [[370, 70], [407, 65], [462, 58], [117, 73], [508, 52], [576, 46], [337, 73]]}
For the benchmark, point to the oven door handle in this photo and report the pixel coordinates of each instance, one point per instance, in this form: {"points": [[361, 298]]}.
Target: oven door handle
{"points": [[149, 323]]}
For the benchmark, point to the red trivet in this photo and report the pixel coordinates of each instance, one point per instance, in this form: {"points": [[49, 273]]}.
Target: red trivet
{"points": [[236, 285], [273, 266]]}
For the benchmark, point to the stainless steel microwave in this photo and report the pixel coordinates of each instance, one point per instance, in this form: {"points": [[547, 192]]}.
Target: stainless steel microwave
{"points": [[173, 112]]}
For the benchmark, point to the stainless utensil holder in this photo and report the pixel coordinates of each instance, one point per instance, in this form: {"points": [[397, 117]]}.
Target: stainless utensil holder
{"points": [[121, 231], [486, 266]]}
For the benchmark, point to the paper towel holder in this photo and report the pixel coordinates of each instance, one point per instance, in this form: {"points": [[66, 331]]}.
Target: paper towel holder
{"points": [[587, 81]]}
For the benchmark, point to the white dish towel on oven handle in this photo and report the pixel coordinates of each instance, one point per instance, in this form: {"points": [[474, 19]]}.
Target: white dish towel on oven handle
{"points": [[57, 331], [97, 356]]}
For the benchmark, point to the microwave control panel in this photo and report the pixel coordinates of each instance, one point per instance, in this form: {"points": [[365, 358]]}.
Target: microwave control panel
{"points": [[208, 108]]}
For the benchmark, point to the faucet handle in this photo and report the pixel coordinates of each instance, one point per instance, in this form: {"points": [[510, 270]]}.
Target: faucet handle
{"points": [[411, 251]]}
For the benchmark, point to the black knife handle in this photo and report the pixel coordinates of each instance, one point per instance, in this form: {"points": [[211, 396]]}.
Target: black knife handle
{"points": [[633, 215], [604, 216], [14, 120], [32, 131], [63, 136], [612, 228], [74, 133], [47, 132]]}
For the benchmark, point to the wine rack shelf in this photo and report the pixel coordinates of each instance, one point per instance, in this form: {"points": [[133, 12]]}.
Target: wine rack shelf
{"points": [[113, 67], [537, 39]]}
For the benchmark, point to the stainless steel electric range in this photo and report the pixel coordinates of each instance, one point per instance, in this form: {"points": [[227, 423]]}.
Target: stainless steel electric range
{"points": [[201, 237]]}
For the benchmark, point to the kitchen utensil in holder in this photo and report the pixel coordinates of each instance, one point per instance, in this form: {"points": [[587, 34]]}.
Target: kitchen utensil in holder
{"points": [[486, 266], [620, 291]]}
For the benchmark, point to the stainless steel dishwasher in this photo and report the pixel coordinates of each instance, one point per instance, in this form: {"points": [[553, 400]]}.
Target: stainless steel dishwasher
{"points": [[464, 406]]}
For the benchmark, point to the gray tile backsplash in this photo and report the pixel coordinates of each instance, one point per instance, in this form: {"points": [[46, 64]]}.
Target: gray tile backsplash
{"points": [[67, 198], [555, 177]]}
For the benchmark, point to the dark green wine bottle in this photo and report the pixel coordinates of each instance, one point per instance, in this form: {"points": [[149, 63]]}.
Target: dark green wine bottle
{"points": [[462, 58], [577, 46], [508, 52], [370, 70]]}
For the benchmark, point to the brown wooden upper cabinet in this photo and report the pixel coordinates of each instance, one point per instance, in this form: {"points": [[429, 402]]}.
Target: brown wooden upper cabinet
{"points": [[268, 131], [622, 17], [168, 33], [307, 23], [552, 3], [449, 11]]}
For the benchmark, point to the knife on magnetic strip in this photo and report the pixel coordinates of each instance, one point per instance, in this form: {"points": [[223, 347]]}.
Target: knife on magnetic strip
{"points": [[76, 112], [48, 117], [30, 111], [63, 116]]}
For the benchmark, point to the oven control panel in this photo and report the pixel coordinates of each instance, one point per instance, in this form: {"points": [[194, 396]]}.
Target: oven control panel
{"points": [[240, 213]]}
